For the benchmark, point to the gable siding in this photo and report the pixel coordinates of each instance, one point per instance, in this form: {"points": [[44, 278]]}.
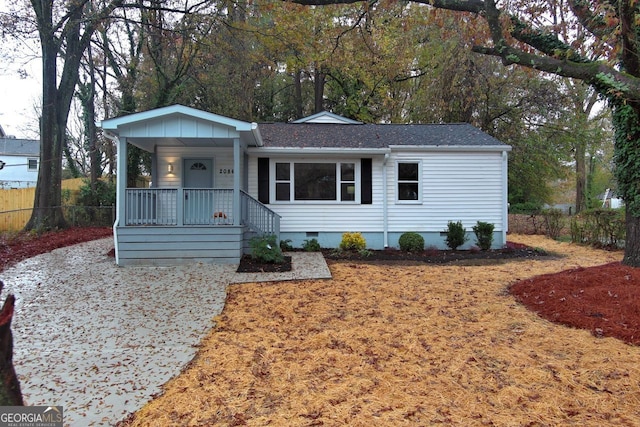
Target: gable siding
{"points": [[456, 186], [178, 127]]}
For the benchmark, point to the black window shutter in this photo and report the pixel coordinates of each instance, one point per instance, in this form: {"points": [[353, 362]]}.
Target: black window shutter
{"points": [[366, 198], [263, 180]]}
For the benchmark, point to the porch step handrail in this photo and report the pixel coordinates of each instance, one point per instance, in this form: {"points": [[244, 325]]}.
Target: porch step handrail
{"points": [[257, 216]]}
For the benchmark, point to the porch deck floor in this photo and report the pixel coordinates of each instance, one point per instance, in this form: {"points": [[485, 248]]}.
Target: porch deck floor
{"points": [[101, 340]]}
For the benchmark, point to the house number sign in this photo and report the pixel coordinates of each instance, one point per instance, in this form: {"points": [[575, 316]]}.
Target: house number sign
{"points": [[224, 171]]}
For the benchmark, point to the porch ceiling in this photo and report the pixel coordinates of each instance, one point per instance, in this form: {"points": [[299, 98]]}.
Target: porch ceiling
{"points": [[149, 144]]}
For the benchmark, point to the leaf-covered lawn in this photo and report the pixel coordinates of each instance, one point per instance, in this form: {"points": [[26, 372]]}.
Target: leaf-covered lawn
{"points": [[403, 345]]}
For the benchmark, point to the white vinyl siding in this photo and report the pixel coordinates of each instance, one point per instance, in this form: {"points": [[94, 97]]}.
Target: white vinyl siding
{"points": [[16, 172], [456, 186], [323, 216]]}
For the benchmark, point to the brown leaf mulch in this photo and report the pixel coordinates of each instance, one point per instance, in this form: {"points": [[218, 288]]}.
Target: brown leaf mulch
{"points": [[389, 345], [413, 344]]}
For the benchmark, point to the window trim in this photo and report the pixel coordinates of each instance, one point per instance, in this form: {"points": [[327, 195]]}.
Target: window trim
{"points": [[398, 182], [337, 163]]}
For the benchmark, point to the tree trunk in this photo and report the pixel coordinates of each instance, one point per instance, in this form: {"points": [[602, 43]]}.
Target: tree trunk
{"points": [[318, 91], [632, 241], [581, 176], [626, 117], [47, 212], [297, 93], [10, 393]]}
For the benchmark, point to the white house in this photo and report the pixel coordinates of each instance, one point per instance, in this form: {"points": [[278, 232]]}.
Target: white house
{"points": [[19, 160], [219, 181]]}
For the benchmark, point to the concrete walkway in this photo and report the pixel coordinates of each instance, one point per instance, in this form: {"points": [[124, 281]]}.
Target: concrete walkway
{"points": [[100, 340]]}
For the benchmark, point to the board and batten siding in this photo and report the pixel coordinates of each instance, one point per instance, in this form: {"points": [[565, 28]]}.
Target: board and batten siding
{"points": [[222, 165], [326, 216], [455, 186]]}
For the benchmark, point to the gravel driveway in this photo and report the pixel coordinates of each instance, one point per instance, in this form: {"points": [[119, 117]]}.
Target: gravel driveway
{"points": [[100, 340]]}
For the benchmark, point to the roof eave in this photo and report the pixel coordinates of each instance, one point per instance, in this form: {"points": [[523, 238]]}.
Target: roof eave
{"points": [[502, 147], [318, 150], [114, 124]]}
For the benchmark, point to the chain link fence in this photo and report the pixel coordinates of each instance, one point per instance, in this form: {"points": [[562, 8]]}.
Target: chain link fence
{"points": [[76, 216]]}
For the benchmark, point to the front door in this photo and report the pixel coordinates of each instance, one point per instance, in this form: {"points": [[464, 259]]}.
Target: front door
{"points": [[198, 173]]}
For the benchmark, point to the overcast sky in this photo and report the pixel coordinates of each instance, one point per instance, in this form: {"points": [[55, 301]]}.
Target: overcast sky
{"points": [[18, 94]]}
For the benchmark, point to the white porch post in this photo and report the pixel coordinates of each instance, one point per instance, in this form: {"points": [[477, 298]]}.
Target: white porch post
{"points": [[121, 189], [236, 181], [121, 175]]}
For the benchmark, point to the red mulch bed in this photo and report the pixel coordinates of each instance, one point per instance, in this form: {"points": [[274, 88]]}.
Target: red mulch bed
{"points": [[601, 299]]}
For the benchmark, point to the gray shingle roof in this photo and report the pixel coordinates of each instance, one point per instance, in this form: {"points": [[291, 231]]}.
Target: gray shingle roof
{"points": [[372, 135], [19, 147]]}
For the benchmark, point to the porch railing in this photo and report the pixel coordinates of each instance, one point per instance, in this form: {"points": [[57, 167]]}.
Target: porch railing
{"points": [[151, 206], [258, 217], [196, 206]]}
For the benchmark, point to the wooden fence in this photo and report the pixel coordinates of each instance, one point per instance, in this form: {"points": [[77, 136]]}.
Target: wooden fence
{"points": [[16, 204]]}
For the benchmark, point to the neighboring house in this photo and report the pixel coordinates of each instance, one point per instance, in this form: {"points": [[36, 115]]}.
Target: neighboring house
{"points": [[611, 200], [219, 181], [20, 159]]}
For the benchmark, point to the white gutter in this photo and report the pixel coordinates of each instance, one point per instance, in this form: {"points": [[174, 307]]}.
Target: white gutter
{"points": [[256, 134], [302, 151], [474, 148], [114, 139], [385, 203]]}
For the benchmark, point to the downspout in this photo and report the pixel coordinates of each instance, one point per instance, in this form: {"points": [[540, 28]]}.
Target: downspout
{"points": [[505, 198], [114, 139], [385, 204]]}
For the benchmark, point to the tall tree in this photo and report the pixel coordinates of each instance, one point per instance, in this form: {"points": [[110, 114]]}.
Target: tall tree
{"points": [[64, 32], [521, 33]]}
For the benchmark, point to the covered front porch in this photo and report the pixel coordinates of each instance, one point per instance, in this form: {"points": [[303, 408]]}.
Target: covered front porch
{"points": [[197, 208]]}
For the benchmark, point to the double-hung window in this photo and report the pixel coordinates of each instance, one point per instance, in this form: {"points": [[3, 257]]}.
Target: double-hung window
{"points": [[32, 164], [315, 181], [408, 181]]}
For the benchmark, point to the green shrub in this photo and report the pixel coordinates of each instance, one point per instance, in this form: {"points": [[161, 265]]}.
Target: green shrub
{"points": [[266, 249], [353, 242], [311, 246], [456, 234], [484, 234], [411, 242], [599, 227], [104, 193], [285, 245]]}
